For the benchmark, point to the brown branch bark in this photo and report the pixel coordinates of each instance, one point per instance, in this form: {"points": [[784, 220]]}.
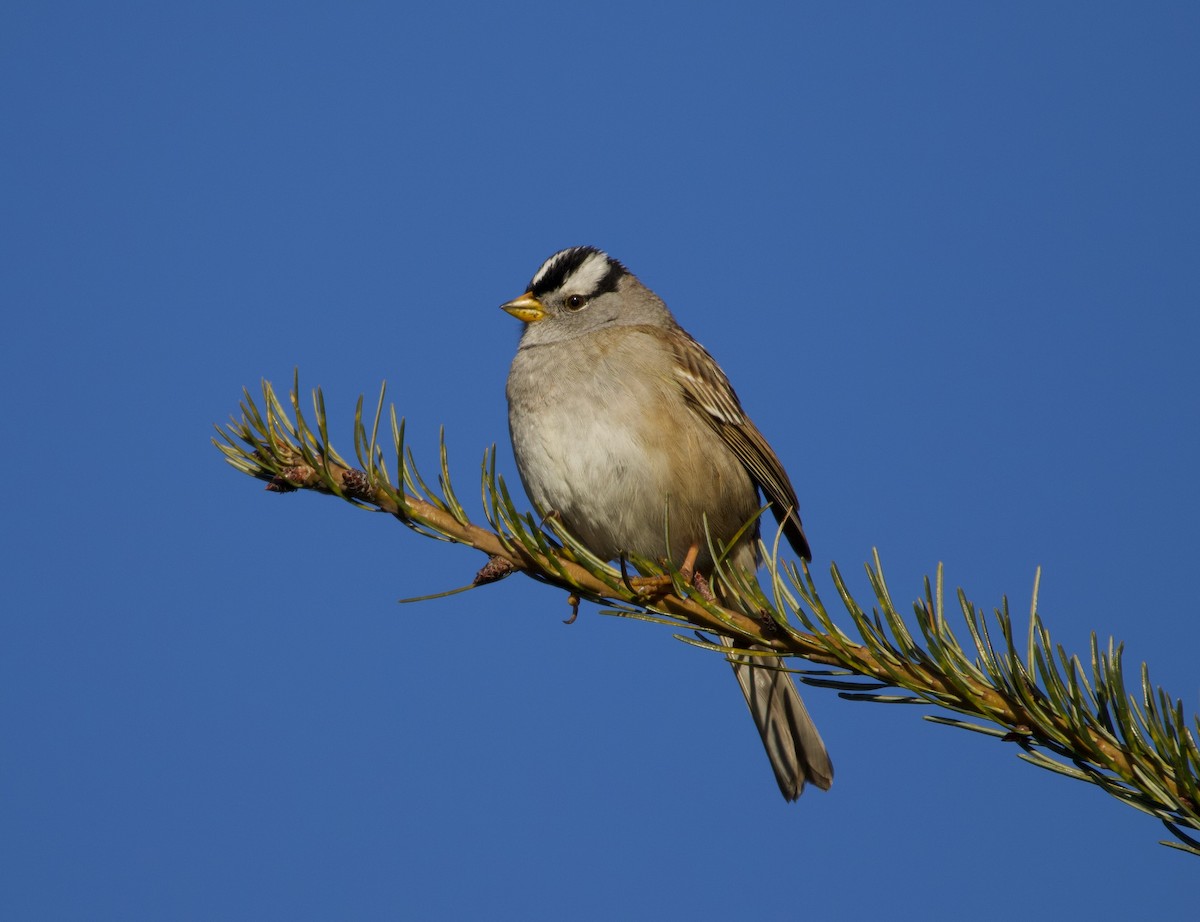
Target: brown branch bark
{"points": [[355, 484]]}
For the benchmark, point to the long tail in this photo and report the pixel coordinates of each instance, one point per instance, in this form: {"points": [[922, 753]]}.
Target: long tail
{"points": [[793, 744]]}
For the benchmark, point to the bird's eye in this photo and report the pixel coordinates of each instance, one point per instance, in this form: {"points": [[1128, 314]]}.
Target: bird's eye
{"points": [[575, 302]]}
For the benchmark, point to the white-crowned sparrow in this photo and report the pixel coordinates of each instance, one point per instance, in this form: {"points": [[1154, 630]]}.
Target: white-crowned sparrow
{"points": [[628, 430]]}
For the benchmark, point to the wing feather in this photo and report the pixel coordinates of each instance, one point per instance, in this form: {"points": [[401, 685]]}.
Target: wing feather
{"points": [[710, 394]]}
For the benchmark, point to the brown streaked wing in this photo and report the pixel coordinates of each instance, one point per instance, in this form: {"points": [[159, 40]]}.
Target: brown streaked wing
{"points": [[710, 393]]}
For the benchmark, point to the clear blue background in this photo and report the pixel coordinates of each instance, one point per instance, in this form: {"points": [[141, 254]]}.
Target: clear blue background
{"points": [[948, 254]]}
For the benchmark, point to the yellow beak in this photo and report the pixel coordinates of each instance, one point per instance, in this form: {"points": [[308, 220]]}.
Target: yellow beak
{"points": [[526, 308]]}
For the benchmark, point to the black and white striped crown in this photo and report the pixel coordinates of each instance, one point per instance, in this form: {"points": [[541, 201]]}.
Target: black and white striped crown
{"points": [[585, 270]]}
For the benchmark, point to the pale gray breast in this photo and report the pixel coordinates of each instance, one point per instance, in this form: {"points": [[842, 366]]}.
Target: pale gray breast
{"points": [[603, 436]]}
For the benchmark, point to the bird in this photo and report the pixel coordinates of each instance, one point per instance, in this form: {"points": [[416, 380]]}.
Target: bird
{"points": [[627, 431]]}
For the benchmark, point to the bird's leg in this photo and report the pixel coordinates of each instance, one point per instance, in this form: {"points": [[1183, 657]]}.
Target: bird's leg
{"points": [[661, 585], [689, 572], [687, 568], [646, 587], [651, 587]]}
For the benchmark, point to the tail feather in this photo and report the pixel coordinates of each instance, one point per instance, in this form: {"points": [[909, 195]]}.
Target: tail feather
{"points": [[793, 744]]}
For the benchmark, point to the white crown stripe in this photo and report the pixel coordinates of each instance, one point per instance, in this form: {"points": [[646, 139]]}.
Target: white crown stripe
{"points": [[586, 276], [546, 267]]}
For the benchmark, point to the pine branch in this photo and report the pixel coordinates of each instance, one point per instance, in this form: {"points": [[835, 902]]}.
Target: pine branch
{"points": [[1075, 719]]}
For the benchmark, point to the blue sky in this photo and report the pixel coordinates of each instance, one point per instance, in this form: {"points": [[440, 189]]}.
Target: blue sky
{"points": [[946, 252]]}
